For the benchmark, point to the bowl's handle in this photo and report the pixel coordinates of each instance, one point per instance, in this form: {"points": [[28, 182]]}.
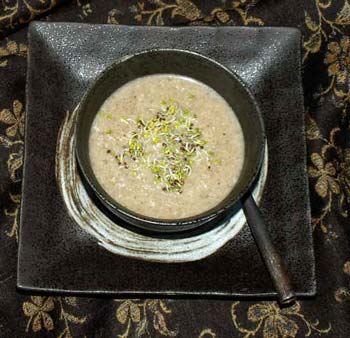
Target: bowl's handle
{"points": [[270, 255]]}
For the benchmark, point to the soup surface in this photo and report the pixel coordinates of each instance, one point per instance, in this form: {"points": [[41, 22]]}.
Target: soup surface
{"points": [[166, 146]]}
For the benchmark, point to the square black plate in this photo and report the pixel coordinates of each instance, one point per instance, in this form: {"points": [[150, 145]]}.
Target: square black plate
{"points": [[56, 255]]}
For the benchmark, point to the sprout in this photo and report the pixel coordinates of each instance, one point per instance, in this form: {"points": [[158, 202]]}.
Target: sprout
{"points": [[168, 145]]}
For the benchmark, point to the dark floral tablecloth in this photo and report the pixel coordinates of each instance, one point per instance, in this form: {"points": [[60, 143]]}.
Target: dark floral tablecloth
{"points": [[325, 25]]}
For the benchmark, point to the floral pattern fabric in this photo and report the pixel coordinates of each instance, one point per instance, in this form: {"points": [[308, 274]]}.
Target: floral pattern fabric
{"points": [[325, 26]]}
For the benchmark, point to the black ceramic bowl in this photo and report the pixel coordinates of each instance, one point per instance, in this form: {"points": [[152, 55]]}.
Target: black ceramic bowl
{"points": [[195, 66]]}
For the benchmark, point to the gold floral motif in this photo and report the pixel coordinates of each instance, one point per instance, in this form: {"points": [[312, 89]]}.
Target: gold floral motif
{"points": [[8, 143], [128, 309], [28, 11], [319, 221], [344, 179], [14, 163], [325, 174], [143, 317], [14, 118], [312, 130], [184, 8], [342, 294], [218, 15], [16, 200], [221, 15], [338, 59], [319, 29], [36, 8], [86, 10], [207, 333], [242, 7], [112, 16], [274, 322], [67, 317], [343, 16], [331, 178], [11, 48], [346, 268], [85, 7], [37, 311], [72, 301], [9, 13]]}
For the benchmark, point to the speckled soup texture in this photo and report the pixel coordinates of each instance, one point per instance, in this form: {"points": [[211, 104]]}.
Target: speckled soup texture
{"points": [[191, 147]]}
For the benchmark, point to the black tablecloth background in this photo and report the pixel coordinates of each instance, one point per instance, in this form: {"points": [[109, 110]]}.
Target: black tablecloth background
{"points": [[326, 62]]}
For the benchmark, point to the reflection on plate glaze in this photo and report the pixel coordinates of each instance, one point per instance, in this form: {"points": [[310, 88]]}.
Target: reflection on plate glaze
{"points": [[121, 241]]}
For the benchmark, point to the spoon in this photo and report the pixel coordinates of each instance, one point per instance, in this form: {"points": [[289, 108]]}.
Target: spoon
{"points": [[272, 259]]}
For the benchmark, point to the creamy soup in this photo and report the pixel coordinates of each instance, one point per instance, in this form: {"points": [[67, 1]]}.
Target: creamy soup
{"points": [[166, 146]]}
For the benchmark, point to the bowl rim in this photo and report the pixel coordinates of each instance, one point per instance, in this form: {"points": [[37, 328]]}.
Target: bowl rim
{"points": [[181, 224]]}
